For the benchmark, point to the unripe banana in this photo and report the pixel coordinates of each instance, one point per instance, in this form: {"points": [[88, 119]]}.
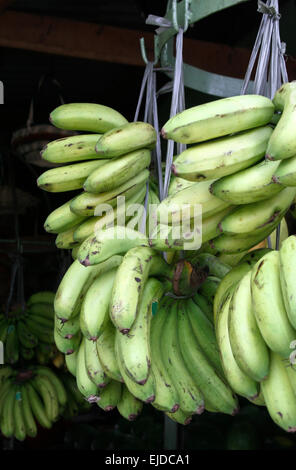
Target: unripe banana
{"points": [[117, 171], [130, 280], [240, 382], [65, 240], [285, 172], [62, 219], [110, 396], [209, 288], [229, 244], [129, 406], [75, 283], [93, 365], [278, 395], [210, 264], [222, 157], [71, 149], [127, 138], [41, 297], [181, 206], [67, 177], [282, 143], [89, 117], [106, 352], [248, 186], [177, 184], [180, 417], [85, 385], [218, 118], [67, 345], [258, 215], [111, 241], [268, 303], [287, 276], [134, 346], [94, 313], [248, 346]]}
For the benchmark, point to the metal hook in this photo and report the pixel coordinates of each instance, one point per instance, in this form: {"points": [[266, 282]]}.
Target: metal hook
{"points": [[143, 51], [187, 15]]}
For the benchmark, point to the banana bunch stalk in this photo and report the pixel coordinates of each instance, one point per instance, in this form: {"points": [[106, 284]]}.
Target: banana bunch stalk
{"points": [[29, 334], [255, 324], [108, 166], [30, 397], [240, 168]]}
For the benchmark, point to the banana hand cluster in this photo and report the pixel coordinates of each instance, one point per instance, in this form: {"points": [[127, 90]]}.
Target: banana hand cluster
{"points": [[29, 334], [109, 168], [127, 341], [255, 326], [30, 397]]}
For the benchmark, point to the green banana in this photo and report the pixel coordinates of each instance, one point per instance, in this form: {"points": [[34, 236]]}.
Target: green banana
{"points": [[287, 254], [71, 149], [126, 138], [11, 352], [65, 240], [37, 406], [249, 348], [134, 346], [217, 393], [209, 288], [258, 215], [190, 396], [218, 118], [43, 309], [7, 417], [166, 395], [248, 186], [19, 421], [25, 337], [204, 305], [110, 396], [278, 395], [62, 219], [55, 380], [285, 172], [117, 171], [177, 184], [184, 204], [106, 352], [282, 143], [111, 241], [204, 333], [67, 345], [93, 365], [211, 264], [221, 157], [238, 380], [94, 313], [68, 328], [75, 283], [67, 177], [29, 420], [71, 362], [180, 417], [91, 117], [90, 204], [41, 297], [84, 383], [137, 264], [129, 406], [268, 304], [49, 396]]}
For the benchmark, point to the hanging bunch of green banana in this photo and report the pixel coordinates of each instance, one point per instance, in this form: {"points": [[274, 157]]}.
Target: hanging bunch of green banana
{"points": [[255, 323], [29, 397], [239, 168], [109, 167], [28, 334]]}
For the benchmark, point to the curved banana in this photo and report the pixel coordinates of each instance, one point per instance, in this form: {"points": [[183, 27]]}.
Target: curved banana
{"points": [[248, 347], [49, 396], [90, 117], [287, 272], [71, 149], [250, 185], [68, 177], [75, 284], [108, 242], [93, 365], [41, 297], [84, 383], [67, 345], [110, 396], [71, 362], [221, 157], [117, 171], [282, 143], [55, 380], [106, 352], [240, 382], [129, 406], [62, 219], [218, 118], [37, 406], [30, 423], [134, 346], [268, 304], [211, 264], [177, 184], [285, 172], [94, 313], [278, 395], [126, 138]]}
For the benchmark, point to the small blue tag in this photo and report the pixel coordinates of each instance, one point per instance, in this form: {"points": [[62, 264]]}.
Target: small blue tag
{"points": [[154, 307]]}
